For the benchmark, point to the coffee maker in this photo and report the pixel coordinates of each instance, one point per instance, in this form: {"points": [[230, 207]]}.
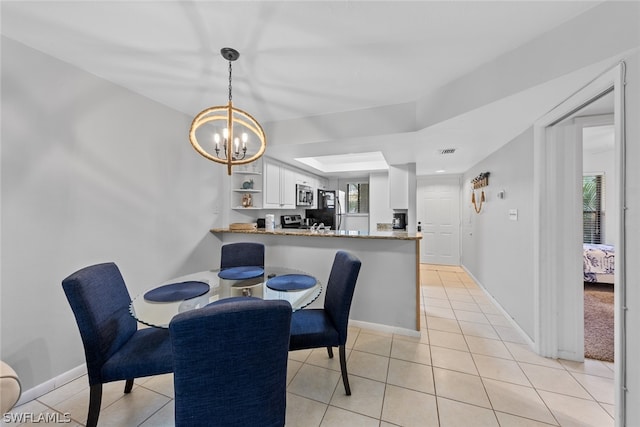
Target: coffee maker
{"points": [[399, 221]]}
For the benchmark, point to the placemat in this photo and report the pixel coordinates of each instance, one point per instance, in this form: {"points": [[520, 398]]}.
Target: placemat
{"points": [[177, 291], [241, 273], [291, 282]]}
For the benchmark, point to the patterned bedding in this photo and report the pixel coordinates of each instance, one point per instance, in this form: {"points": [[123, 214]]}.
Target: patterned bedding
{"points": [[598, 263]]}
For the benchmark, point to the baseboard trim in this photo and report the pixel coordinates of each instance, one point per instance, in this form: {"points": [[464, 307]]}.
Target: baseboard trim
{"points": [[513, 323], [384, 328], [50, 385]]}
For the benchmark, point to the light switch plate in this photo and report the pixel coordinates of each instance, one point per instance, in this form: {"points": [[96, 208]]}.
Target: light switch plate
{"points": [[513, 214]]}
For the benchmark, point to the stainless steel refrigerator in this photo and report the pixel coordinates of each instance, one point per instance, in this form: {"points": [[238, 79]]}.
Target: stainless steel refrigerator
{"points": [[331, 209]]}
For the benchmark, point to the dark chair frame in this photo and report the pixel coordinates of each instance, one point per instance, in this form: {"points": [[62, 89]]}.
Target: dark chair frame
{"points": [[115, 349], [327, 327]]}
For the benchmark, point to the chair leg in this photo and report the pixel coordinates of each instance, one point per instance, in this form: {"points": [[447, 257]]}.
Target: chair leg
{"points": [[343, 368], [128, 386], [330, 351], [95, 399]]}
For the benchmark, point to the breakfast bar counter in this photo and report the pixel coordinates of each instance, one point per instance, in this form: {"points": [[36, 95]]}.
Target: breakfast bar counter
{"points": [[397, 235], [387, 294]]}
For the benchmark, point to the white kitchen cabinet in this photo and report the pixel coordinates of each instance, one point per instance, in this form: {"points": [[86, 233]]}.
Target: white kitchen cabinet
{"points": [[279, 186], [402, 192], [398, 187], [312, 181], [304, 179]]}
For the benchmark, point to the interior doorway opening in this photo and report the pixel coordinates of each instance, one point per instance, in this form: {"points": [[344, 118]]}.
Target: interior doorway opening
{"points": [[599, 218], [558, 256]]}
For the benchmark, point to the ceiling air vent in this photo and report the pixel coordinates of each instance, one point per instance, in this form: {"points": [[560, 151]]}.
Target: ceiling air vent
{"points": [[447, 150]]}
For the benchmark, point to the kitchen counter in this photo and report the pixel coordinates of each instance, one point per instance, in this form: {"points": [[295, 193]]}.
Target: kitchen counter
{"points": [[387, 294], [396, 235]]}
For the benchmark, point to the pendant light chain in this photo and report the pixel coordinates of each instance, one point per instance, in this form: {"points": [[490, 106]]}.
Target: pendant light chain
{"points": [[229, 81]]}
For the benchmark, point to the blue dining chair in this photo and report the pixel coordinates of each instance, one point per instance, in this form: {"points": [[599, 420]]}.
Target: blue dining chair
{"points": [[242, 260], [231, 363], [327, 327], [115, 349]]}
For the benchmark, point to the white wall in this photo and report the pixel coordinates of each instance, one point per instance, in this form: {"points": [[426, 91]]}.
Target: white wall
{"points": [[497, 251], [603, 161], [90, 173], [358, 222]]}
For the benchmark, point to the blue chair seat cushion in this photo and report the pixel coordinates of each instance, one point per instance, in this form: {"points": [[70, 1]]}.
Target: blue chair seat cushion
{"points": [[312, 328], [177, 291], [241, 273], [148, 352], [291, 282]]}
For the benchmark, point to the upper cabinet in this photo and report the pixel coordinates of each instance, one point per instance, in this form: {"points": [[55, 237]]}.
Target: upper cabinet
{"points": [[279, 186], [398, 187], [305, 179], [402, 192]]}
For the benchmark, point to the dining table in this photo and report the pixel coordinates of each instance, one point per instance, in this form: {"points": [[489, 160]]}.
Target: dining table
{"points": [[157, 305]]}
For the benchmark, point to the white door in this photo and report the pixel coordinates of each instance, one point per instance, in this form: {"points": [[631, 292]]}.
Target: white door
{"points": [[439, 215]]}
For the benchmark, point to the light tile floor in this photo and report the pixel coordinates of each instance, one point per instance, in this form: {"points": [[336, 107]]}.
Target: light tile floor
{"points": [[469, 368]]}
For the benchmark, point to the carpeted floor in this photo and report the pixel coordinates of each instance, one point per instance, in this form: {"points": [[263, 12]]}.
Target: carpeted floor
{"points": [[598, 322]]}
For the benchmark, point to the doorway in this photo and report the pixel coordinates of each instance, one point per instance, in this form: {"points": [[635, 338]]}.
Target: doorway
{"points": [[558, 283], [595, 127], [439, 214]]}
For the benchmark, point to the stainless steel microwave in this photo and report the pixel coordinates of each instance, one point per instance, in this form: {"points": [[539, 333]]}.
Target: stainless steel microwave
{"points": [[304, 195]]}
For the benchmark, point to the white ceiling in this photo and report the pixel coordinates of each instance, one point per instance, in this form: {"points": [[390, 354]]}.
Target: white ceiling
{"points": [[300, 58]]}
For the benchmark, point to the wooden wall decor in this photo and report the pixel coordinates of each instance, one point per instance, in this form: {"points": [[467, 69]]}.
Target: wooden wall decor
{"points": [[480, 181]]}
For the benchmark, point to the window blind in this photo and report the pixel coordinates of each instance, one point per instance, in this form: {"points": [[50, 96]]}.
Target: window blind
{"points": [[593, 209]]}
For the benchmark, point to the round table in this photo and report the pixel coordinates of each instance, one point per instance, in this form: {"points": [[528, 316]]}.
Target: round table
{"points": [[159, 314]]}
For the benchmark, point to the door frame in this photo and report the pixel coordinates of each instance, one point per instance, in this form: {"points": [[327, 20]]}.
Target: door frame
{"points": [[548, 235]]}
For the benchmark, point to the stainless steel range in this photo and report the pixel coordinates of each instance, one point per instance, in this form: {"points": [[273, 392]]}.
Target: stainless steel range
{"points": [[296, 221], [292, 221]]}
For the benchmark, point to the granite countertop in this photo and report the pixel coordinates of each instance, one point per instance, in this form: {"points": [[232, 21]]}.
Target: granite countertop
{"points": [[391, 235]]}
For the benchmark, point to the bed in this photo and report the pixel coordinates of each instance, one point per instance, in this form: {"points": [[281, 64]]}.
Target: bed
{"points": [[598, 263]]}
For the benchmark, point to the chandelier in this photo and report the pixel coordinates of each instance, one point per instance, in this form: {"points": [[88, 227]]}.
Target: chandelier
{"points": [[225, 134]]}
